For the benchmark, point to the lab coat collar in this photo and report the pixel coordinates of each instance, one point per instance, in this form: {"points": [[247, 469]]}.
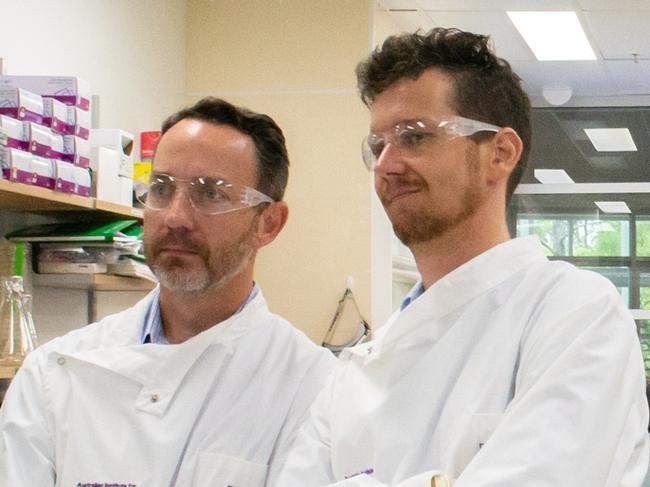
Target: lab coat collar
{"points": [[456, 289], [160, 369]]}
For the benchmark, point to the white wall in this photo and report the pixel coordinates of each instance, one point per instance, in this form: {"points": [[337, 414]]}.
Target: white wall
{"points": [[132, 52]]}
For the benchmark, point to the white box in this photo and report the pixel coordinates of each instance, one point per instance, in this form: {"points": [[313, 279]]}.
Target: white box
{"points": [[55, 116], [43, 171], [66, 89], [118, 140], [82, 181], [79, 121], [106, 164], [39, 139], [76, 150], [57, 150], [65, 177], [16, 165], [126, 191], [12, 133], [21, 104]]}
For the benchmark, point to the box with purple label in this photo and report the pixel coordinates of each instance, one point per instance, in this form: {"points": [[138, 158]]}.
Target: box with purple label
{"points": [[79, 121], [57, 150], [76, 150], [39, 139], [65, 178], [16, 165], [21, 104], [82, 181], [43, 172], [55, 116], [66, 89], [12, 133]]}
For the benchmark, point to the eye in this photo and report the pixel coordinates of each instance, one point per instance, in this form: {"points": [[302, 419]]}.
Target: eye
{"points": [[376, 145], [161, 189], [412, 139], [211, 191]]}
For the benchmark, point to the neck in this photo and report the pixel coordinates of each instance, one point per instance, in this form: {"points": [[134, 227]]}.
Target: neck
{"points": [[439, 256], [185, 315]]}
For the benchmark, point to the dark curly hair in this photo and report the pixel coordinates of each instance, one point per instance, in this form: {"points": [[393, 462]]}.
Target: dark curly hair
{"points": [[485, 87], [270, 145]]}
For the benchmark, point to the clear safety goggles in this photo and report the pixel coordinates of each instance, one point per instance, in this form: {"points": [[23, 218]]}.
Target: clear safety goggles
{"points": [[209, 196], [414, 135]]}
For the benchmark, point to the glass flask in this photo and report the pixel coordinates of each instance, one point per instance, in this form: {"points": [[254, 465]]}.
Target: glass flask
{"points": [[17, 334]]}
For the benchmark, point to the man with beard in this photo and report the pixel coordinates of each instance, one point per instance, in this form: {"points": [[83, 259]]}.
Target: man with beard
{"points": [[501, 368], [199, 384]]}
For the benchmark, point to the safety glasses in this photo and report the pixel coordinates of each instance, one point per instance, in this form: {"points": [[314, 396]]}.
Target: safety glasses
{"points": [[412, 136], [209, 196]]}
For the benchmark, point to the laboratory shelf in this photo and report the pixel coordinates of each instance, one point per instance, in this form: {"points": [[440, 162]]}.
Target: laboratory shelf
{"points": [[96, 282], [19, 196]]}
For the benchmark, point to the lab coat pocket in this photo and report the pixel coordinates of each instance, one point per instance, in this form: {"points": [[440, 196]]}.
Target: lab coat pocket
{"points": [[219, 470]]}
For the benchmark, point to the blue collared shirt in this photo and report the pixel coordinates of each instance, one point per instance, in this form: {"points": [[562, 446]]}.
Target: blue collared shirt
{"points": [[412, 295], [152, 329]]}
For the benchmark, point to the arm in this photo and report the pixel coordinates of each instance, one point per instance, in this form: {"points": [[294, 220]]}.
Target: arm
{"points": [[310, 386], [578, 417], [26, 442]]}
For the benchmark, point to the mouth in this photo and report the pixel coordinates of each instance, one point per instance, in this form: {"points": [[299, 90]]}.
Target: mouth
{"points": [[395, 194]]}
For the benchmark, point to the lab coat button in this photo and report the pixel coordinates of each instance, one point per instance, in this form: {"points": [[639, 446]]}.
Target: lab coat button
{"points": [[154, 398], [60, 361]]}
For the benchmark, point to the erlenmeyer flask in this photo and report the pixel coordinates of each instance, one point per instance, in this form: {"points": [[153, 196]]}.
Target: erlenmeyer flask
{"points": [[27, 306], [15, 332]]}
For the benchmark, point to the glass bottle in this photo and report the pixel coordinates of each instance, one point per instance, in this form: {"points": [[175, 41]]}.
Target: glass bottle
{"points": [[16, 324]]}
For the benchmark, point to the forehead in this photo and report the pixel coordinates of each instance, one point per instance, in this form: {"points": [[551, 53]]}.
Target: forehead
{"points": [[429, 95], [193, 148]]}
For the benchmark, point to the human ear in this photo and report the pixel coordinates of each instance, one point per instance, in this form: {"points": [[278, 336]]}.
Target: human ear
{"points": [[271, 222], [507, 149]]}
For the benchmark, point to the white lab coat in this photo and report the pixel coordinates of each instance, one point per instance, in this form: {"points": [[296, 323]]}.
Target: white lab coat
{"points": [[510, 371], [97, 407]]}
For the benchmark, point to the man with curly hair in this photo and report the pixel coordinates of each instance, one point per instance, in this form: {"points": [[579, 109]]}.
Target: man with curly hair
{"points": [[501, 368]]}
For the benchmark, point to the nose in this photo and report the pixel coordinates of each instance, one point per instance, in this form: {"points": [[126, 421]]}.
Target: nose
{"points": [[180, 212], [390, 161]]}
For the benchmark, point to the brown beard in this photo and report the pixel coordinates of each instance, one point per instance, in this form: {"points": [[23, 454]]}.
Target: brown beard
{"points": [[416, 225], [219, 266]]}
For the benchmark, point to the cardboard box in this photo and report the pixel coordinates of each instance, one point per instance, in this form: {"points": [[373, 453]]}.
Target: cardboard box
{"points": [[55, 116], [76, 150], [12, 133], [16, 165], [57, 150], [43, 172], [21, 104], [82, 180], [39, 139], [79, 122], [65, 177], [106, 164], [116, 139], [66, 89]]}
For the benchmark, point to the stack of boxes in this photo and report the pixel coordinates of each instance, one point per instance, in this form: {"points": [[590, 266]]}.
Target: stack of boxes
{"points": [[44, 131]]}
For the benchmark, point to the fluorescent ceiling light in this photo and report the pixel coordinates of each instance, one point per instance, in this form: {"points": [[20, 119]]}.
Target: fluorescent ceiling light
{"points": [[553, 36], [611, 140], [613, 206], [553, 176]]}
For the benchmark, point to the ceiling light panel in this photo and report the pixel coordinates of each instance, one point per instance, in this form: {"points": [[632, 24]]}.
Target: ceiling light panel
{"points": [[613, 206], [553, 36], [611, 139], [553, 176]]}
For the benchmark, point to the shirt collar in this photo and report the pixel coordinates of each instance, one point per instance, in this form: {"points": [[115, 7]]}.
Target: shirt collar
{"points": [[152, 329], [412, 295]]}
